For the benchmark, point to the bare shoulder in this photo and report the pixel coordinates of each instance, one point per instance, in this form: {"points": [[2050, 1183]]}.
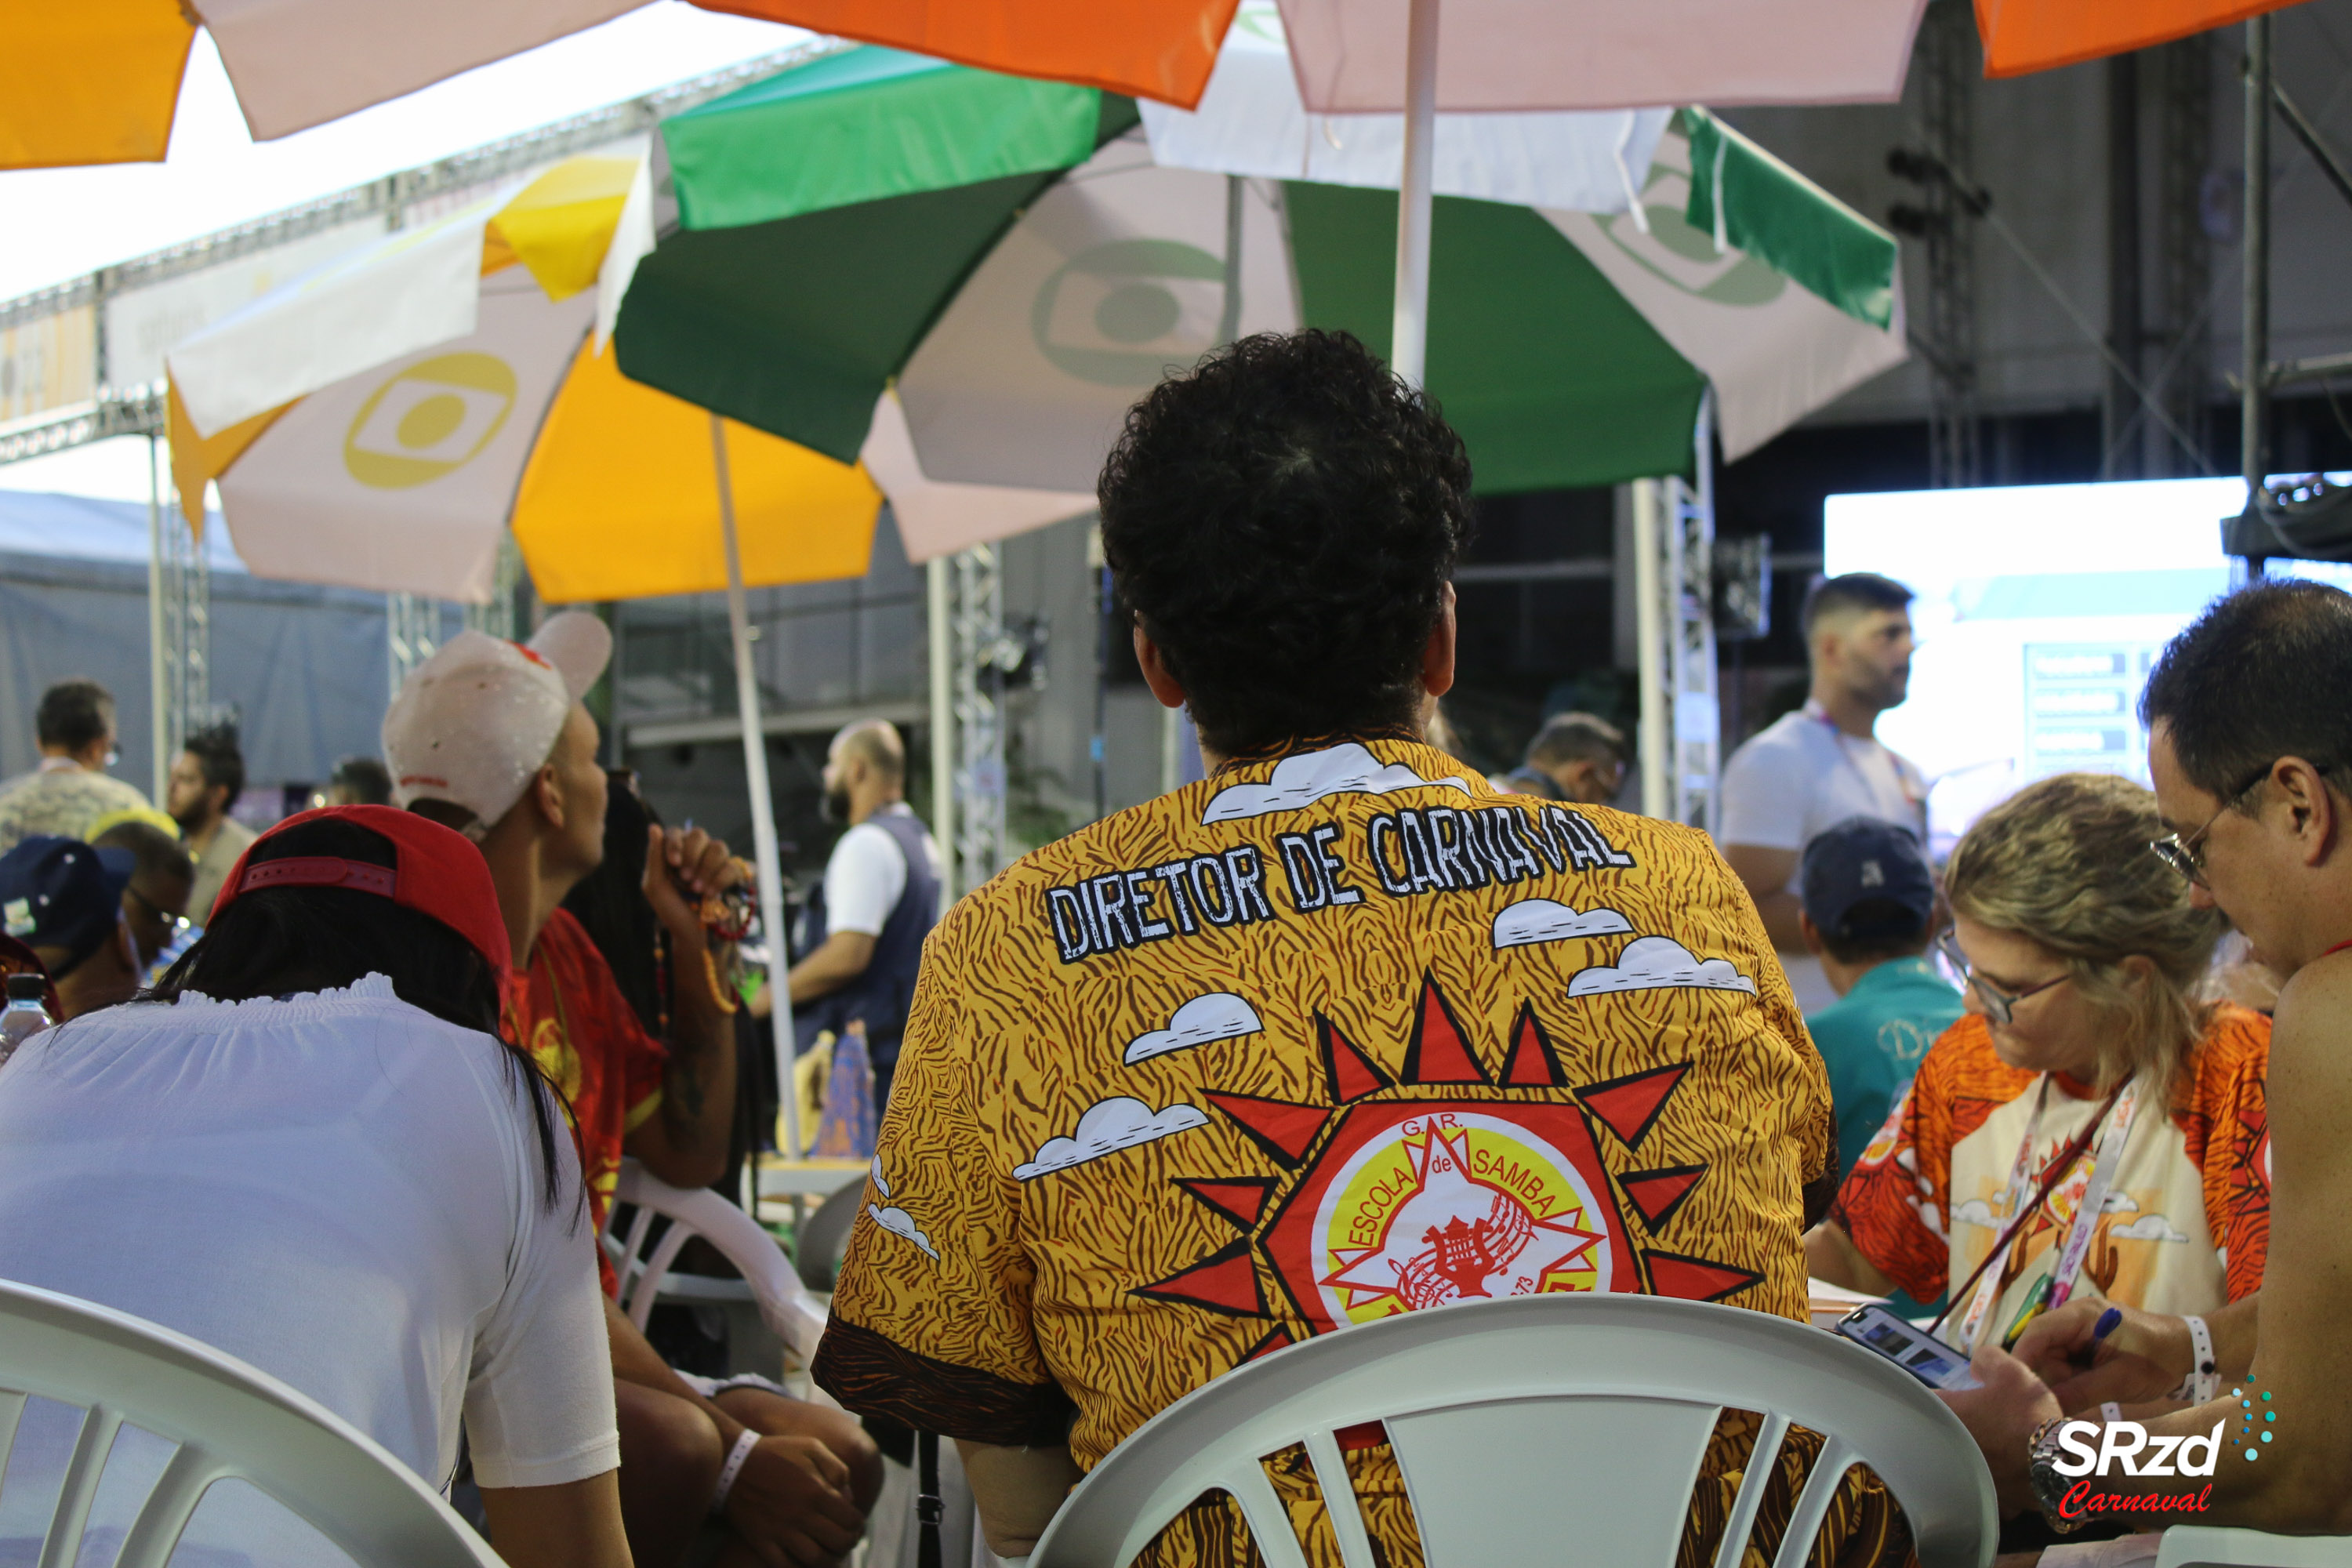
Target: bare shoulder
{"points": [[2311, 1036]]}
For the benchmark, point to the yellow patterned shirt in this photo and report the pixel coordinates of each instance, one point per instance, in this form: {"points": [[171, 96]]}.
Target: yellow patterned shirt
{"points": [[1322, 1038]]}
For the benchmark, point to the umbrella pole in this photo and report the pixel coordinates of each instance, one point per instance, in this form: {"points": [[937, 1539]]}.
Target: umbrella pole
{"points": [[765, 859], [1409, 339]]}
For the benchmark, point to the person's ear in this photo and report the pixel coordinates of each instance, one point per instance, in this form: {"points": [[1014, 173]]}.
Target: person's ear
{"points": [[2312, 814], [1165, 688], [2138, 969], [1437, 657], [1812, 933], [547, 794]]}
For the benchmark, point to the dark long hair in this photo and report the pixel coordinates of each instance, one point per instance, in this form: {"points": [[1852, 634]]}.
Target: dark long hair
{"points": [[275, 941]]}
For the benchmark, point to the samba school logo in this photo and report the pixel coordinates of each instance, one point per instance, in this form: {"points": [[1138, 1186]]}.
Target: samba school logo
{"points": [[1439, 1184]]}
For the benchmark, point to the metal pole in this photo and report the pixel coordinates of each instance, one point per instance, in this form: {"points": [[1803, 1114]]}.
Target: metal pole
{"points": [[943, 736], [2254, 396], [2124, 312], [1657, 743], [158, 657], [769, 864], [1409, 340]]}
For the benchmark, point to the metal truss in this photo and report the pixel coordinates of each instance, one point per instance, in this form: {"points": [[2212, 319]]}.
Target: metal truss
{"points": [[976, 632], [138, 413], [2184, 254], [413, 630], [1681, 732], [1946, 69]]}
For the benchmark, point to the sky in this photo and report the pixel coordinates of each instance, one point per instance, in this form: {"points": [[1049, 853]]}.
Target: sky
{"points": [[57, 223]]}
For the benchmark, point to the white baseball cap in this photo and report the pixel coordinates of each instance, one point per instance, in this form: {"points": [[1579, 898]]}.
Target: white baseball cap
{"points": [[475, 721]]}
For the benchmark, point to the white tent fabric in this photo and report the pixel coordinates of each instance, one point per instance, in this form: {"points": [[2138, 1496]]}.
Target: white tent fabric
{"points": [[1252, 121], [414, 287]]}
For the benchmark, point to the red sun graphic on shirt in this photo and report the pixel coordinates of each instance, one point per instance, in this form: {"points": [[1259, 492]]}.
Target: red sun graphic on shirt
{"points": [[1446, 1183]]}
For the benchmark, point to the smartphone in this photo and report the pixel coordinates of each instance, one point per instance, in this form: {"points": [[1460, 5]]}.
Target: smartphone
{"points": [[1914, 1349]]}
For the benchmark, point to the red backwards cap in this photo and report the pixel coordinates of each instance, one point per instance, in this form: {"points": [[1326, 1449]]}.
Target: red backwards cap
{"points": [[436, 872]]}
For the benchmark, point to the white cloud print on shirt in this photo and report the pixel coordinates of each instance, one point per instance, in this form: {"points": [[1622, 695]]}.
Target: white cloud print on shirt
{"points": [[1299, 782], [1531, 921], [1657, 964], [897, 1221], [1107, 1127], [1219, 1015]]}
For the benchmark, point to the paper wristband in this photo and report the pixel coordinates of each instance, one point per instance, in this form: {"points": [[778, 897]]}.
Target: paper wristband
{"points": [[745, 1441]]}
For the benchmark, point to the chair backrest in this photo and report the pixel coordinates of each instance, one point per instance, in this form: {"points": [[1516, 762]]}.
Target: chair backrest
{"points": [[785, 1305], [823, 1239], [1540, 1430], [230, 1421]]}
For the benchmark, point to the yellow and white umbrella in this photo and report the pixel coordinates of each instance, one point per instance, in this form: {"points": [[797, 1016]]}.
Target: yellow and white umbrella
{"points": [[380, 421], [383, 421]]}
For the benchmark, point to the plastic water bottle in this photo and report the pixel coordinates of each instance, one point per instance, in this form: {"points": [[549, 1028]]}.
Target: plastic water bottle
{"points": [[24, 1017]]}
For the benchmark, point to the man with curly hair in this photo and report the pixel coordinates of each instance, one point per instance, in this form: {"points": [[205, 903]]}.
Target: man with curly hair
{"points": [[1339, 1032]]}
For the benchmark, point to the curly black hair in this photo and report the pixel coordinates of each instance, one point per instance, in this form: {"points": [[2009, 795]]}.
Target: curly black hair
{"points": [[1282, 522]]}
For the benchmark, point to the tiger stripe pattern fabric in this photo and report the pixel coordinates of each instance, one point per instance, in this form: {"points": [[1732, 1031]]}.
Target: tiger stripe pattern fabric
{"points": [[1329, 1035]]}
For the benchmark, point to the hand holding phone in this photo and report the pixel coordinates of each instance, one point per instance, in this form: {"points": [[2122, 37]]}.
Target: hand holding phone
{"points": [[1914, 1349]]}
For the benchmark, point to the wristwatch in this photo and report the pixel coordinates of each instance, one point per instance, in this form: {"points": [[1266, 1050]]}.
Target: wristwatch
{"points": [[2042, 1473]]}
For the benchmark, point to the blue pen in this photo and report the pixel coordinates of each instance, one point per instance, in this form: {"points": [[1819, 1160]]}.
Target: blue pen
{"points": [[2109, 1322]]}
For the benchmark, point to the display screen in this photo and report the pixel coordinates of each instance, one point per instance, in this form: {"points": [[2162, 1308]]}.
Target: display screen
{"points": [[2040, 611]]}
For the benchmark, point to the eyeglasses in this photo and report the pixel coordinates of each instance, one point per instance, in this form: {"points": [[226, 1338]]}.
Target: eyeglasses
{"points": [[2187, 856], [2000, 1006]]}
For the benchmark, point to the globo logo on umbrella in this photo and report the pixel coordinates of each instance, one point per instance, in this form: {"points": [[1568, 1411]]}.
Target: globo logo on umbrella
{"points": [[430, 419], [1118, 314]]}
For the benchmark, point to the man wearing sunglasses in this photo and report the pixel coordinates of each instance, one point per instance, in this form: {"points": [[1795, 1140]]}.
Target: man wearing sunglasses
{"points": [[2250, 742]]}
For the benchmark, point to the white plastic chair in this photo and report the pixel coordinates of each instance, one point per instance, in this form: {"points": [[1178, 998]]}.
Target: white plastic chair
{"points": [[2207, 1546], [786, 1305], [230, 1420], [1539, 1430]]}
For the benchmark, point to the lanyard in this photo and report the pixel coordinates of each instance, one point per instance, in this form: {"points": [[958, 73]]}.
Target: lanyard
{"points": [[2113, 1127]]}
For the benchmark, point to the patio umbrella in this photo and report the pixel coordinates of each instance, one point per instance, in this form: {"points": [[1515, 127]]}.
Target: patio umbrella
{"points": [[2025, 35], [383, 421], [95, 81], [984, 272], [1417, 58], [1496, 54]]}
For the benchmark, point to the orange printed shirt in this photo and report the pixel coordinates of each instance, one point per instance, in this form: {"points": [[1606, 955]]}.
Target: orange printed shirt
{"points": [[1317, 1040], [2186, 1224], [567, 1010]]}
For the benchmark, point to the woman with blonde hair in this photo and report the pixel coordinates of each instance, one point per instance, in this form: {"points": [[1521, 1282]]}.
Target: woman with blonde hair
{"points": [[2091, 1129]]}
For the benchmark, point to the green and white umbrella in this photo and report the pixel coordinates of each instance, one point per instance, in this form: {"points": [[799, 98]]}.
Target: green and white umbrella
{"points": [[967, 279]]}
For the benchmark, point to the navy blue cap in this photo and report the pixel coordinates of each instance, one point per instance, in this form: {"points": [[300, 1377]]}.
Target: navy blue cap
{"points": [[1861, 861], [60, 892]]}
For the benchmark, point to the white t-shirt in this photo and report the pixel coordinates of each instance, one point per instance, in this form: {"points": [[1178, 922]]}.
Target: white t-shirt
{"points": [[866, 874], [337, 1188], [1802, 774]]}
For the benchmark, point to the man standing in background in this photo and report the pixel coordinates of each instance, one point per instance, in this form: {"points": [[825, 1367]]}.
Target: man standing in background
{"points": [[1823, 763], [75, 729], [206, 778], [865, 925], [1578, 758]]}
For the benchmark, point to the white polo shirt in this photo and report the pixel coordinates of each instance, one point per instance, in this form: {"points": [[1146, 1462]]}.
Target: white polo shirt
{"points": [[339, 1188], [1802, 774]]}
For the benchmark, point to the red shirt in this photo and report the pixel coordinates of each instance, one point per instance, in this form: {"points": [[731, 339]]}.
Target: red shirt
{"points": [[567, 1011]]}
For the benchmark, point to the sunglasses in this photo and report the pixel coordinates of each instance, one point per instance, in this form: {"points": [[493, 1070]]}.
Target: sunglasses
{"points": [[2000, 1006]]}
